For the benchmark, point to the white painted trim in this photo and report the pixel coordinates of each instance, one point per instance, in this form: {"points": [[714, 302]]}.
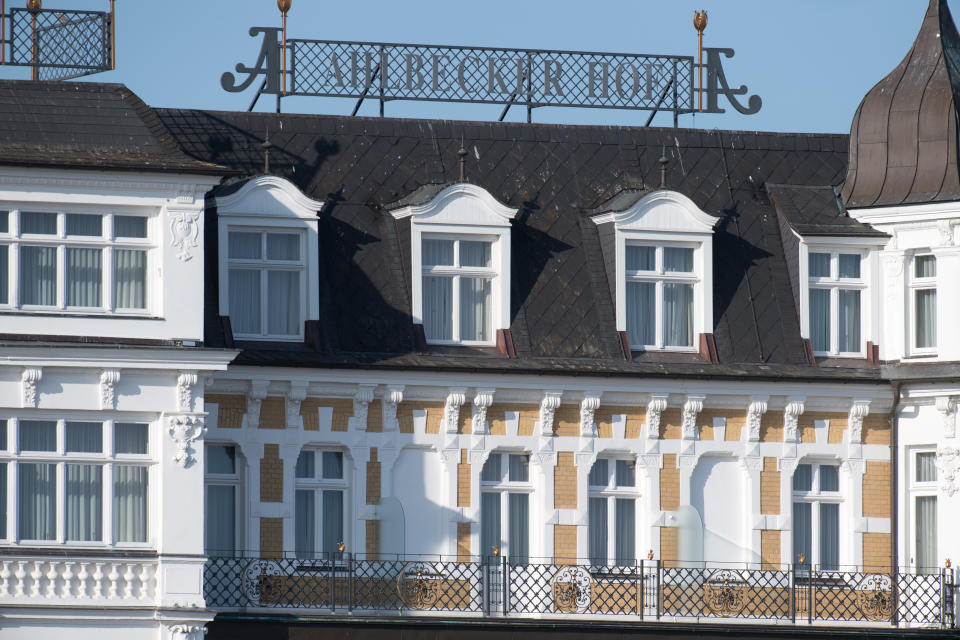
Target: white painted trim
{"points": [[437, 207], [694, 219], [906, 213], [250, 199]]}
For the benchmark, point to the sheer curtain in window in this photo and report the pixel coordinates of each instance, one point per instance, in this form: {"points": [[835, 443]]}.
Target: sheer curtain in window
{"points": [[332, 520], [489, 523], [4, 274], [84, 275], [849, 308], [926, 467], [437, 253], [37, 500], [84, 502], [38, 275], [641, 313], [438, 308], [519, 505], [283, 303], [598, 530], [625, 522], [245, 300], [129, 279], [802, 532], [221, 520], [37, 435], [3, 500], [829, 536], [926, 533], [130, 503], [677, 315], [599, 474], [820, 319], [305, 520], [926, 318], [474, 309], [130, 437]]}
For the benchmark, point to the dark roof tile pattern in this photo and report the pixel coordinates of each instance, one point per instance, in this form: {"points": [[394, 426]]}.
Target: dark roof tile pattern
{"points": [[816, 211]]}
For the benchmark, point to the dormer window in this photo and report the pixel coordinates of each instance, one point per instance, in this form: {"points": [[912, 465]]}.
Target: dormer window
{"points": [[923, 290], [836, 283], [458, 277], [660, 281]]}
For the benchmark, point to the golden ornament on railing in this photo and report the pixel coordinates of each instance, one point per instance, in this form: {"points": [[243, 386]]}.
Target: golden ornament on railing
{"points": [[725, 593], [284, 5], [418, 586], [34, 5], [875, 597], [700, 20]]}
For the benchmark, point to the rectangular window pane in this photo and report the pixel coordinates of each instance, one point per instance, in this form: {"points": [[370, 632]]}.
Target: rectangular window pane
{"points": [[84, 437], [3, 501], [221, 459], [926, 534], [129, 279], [820, 319], [129, 227], [84, 277], [283, 300], [829, 478], [37, 435], [802, 533], [598, 530], [221, 520], [925, 267], [599, 474], [306, 465], [84, 225], [38, 276], [474, 309], [489, 523], [245, 301], [819, 265], [475, 254], [438, 308], [803, 478], [519, 540], [3, 435], [625, 534], [4, 274], [4, 222], [305, 519], [677, 260], [641, 258], [437, 253], [283, 246], [926, 467], [829, 536], [678, 315], [84, 502], [332, 520], [333, 465], [38, 223], [926, 318], [849, 329], [849, 265], [130, 437], [492, 470], [37, 501], [519, 468], [641, 313], [244, 245], [624, 475], [130, 504]]}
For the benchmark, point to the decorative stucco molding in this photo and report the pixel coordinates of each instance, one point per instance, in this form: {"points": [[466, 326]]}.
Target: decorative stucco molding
{"points": [[29, 380], [858, 412], [186, 632], [184, 232], [451, 409], [184, 430], [947, 406], [256, 395], [791, 419], [755, 411], [948, 463], [548, 407], [588, 412], [692, 407], [655, 408], [108, 384], [391, 400], [295, 397], [361, 405], [482, 400], [186, 383]]}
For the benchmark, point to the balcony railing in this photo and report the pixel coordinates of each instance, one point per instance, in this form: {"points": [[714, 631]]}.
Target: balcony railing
{"points": [[649, 590]]}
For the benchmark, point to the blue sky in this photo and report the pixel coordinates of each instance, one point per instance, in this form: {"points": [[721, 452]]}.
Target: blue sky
{"points": [[810, 60]]}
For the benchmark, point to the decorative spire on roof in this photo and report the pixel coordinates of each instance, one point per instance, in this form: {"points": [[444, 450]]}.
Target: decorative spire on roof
{"points": [[462, 156]]}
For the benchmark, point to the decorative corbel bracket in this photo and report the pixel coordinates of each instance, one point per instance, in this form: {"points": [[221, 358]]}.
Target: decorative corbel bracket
{"points": [[186, 383], [451, 409], [655, 408], [256, 395], [588, 412], [755, 411], [361, 405], [548, 407], [391, 400], [29, 380], [691, 408], [108, 388], [947, 406], [295, 397], [858, 412], [482, 400], [184, 430], [791, 420], [948, 463]]}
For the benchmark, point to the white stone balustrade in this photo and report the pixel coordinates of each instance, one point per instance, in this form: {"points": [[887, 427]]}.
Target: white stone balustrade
{"points": [[58, 582]]}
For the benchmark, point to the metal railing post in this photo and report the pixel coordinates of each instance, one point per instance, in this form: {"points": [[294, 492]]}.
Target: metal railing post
{"points": [[643, 591], [658, 594], [810, 596], [333, 582], [793, 593], [505, 593], [350, 582]]}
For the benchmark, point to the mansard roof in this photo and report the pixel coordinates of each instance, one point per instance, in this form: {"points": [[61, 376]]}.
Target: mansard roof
{"points": [[562, 315]]}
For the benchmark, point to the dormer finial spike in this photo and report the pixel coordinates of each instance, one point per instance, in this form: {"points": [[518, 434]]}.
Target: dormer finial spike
{"points": [[663, 167], [462, 154], [266, 145]]}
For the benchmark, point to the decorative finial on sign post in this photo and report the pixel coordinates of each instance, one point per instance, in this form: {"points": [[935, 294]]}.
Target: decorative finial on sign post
{"points": [[462, 155], [266, 145], [34, 5], [663, 168], [284, 6], [700, 24]]}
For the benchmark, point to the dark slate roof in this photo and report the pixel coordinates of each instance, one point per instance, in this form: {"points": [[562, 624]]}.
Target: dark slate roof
{"points": [[86, 125], [562, 308], [903, 141], [816, 211]]}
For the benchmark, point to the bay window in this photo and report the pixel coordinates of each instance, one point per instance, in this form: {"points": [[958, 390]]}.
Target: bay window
{"points": [[85, 262], [505, 506], [222, 499], [612, 509], [319, 510], [458, 277], [923, 291], [660, 281], [816, 516], [836, 289], [923, 496]]}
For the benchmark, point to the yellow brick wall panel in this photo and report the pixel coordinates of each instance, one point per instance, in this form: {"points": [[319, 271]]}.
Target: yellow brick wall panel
{"points": [[230, 409], [373, 539], [671, 424], [463, 542], [566, 421], [564, 544], [271, 537], [496, 417], [342, 412], [876, 552], [565, 482], [669, 546], [770, 488], [375, 417], [876, 490], [736, 422], [271, 474], [273, 413], [634, 417], [876, 429], [771, 427], [373, 478], [770, 550], [463, 480], [465, 419], [669, 484]]}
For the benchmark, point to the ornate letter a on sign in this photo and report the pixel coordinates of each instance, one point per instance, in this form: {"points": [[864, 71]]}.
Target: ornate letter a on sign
{"points": [[185, 430]]}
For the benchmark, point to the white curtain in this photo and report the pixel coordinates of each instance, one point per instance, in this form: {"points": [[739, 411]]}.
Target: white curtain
{"points": [[244, 297], [84, 277], [38, 275], [492, 470], [677, 315], [519, 505], [599, 474], [849, 265], [38, 223], [598, 530], [677, 260], [37, 499], [819, 265], [437, 253], [926, 318], [438, 308], [641, 258], [474, 254], [84, 502], [129, 279], [84, 437], [625, 476], [829, 536], [332, 465], [803, 478], [221, 520], [3, 499], [926, 533], [129, 227], [474, 308], [489, 522], [829, 478], [4, 275], [283, 303], [625, 523], [332, 520], [820, 319], [130, 503], [849, 308], [926, 467], [641, 312], [129, 437], [283, 246], [306, 465], [244, 246], [802, 532], [519, 468], [79, 224], [37, 435], [305, 524], [925, 267]]}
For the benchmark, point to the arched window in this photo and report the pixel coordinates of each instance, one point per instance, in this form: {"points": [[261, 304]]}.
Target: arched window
{"points": [[816, 516], [320, 503], [505, 506], [612, 512]]}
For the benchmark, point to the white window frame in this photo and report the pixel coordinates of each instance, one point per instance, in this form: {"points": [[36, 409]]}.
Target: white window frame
{"points": [[272, 204], [228, 480], [816, 497], [107, 242], [467, 212], [108, 459], [318, 484], [834, 284], [504, 487], [920, 489], [915, 284], [611, 492]]}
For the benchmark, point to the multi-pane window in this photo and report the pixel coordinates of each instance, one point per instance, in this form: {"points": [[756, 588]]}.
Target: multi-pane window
{"points": [[458, 275], [923, 291], [816, 516], [923, 494], [660, 283], [505, 506], [266, 284], [319, 511], [89, 262], [222, 499], [65, 473], [836, 287], [612, 512]]}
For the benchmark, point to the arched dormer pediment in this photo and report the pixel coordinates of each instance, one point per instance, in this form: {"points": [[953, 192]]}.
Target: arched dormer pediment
{"points": [[461, 203], [664, 211], [270, 196]]}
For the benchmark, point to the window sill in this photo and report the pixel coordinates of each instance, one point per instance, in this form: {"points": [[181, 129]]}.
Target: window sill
{"points": [[73, 551], [920, 356], [68, 314]]}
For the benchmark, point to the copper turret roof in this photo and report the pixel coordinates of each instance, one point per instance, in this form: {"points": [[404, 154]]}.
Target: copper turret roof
{"points": [[903, 141]]}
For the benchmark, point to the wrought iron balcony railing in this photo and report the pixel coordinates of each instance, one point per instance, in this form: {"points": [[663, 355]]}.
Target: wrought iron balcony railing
{"points": [[648, 590]]}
